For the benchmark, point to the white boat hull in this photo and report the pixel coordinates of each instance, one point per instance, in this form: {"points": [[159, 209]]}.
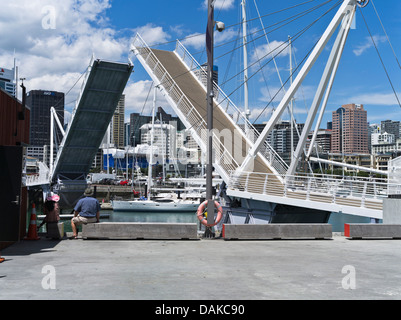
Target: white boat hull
{"points": [[154, 206]]}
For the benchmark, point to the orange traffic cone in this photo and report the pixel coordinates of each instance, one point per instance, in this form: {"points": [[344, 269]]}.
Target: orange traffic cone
{"points": [[32, 233]]}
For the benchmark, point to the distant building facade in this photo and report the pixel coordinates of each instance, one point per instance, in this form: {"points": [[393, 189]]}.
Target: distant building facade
{"points": [[7, 81], [137, 121], [350, 130], [40, 102], [391, 127], [118, 123]]}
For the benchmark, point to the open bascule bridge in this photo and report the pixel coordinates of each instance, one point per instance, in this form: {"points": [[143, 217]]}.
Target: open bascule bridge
{"points": [[259, 187]]}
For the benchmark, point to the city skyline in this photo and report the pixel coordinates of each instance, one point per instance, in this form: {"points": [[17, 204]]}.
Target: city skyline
{"points": [[58, 39]]}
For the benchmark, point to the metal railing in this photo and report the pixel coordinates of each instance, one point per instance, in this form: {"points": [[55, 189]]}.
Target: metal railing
{"points": [[222, 156], [234, 114], [40, 178], [349, 191]]}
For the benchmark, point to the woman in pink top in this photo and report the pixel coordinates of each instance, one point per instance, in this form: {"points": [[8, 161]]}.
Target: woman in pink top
{"points": [[51, 209]]}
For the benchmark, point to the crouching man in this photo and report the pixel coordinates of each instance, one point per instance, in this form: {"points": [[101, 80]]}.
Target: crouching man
{"points": [[87, 210]]}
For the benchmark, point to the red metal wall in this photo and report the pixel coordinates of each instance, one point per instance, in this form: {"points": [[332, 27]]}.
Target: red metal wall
{"points": [[14, 132], [9, 123]]}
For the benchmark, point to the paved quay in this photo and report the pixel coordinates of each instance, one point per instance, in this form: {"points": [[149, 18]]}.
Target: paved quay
{"points": [[244, 270]]}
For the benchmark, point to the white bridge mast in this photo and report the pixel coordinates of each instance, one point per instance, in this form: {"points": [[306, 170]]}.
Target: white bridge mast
{"points": [[343, 17]]}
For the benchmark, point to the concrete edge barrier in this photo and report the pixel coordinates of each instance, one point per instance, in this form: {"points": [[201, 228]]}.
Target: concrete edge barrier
{"points": [[372, 230], [139, 230], [277, 231]]}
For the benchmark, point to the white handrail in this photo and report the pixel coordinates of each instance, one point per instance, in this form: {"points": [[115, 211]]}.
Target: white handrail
{"points": [[352, 191], [198, 124], [225, 103]]}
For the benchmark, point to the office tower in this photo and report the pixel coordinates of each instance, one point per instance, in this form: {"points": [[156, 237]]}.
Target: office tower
{"points": [[127, 130], [202, 76], [323, 141], [40, 102], [118, 123], [350, 130], [7, 80], [162, 135], [137, 121], [392, 127]]}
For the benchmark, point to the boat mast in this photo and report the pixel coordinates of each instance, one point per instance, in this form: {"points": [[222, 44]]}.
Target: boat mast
{"points": [[151, 144], [292, 101], [245, 42]]}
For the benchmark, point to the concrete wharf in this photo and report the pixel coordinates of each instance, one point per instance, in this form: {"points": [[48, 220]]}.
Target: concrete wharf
{"points": [[192, 269]]}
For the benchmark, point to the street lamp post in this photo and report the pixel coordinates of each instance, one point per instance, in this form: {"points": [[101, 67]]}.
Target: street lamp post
{"points": [[209, 98]]}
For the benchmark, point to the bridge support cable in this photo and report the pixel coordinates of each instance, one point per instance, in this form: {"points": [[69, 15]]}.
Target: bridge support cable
{"points": [[325, 85], [381, 59], [344, 10]]}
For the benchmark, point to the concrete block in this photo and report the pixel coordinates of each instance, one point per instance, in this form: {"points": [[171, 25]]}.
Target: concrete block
{"points": [[139, 230], [55, 230], [391, 211], [374, 230], [277, 231]]}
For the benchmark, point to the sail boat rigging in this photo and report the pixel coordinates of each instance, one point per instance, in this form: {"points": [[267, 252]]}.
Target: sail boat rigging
{"points": [[155, 204]]}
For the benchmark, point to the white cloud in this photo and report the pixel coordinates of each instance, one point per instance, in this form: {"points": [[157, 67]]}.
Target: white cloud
{"points": [[135, 95], [54, 40], [196, 41], [381, 99], [360, 49], [152, 34], [220, 4], [267, 51], [262, 114], [139, 98]]}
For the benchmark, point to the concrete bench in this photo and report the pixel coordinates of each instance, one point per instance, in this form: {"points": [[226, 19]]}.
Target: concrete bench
{"points": [[277, 231], [374, 230], [55, 230], [139, 230]]}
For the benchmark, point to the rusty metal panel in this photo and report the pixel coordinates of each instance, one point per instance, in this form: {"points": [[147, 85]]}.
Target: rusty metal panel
{"points": [[13, 129]]}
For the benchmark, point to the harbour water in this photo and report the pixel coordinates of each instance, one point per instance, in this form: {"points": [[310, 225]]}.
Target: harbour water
{"points": [[337, 220], [181, 217]]}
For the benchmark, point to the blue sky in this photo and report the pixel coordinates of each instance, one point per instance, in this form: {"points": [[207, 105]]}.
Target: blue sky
{"points": [[54, 40]]}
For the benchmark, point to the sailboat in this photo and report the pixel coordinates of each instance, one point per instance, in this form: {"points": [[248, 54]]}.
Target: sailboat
{"points": [[161, 203]]}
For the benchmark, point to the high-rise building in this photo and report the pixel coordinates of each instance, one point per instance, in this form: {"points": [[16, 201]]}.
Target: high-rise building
{"points": [[392, 127], [7, 81], [280, 137], [350, 130], [137, 121], [118, 123], [40, 102], [162, 135], [202, 76], [323, 141]]}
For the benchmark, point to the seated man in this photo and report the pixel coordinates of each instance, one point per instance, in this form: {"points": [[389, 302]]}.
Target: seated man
{"points": [[87, 210]]}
